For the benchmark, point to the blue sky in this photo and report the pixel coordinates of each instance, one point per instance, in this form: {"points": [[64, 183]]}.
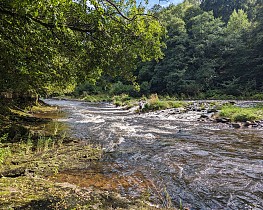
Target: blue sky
{"points": [[163, 2]]}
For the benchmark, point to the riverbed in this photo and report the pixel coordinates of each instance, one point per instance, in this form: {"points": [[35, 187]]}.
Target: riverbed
{"points": [[175, 160]]}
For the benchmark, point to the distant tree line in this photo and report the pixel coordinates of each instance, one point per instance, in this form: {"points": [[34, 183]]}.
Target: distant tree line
{"points": [[213, 47]]}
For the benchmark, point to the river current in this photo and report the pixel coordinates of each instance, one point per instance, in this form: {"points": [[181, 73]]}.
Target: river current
{"points": [[175, 158]]}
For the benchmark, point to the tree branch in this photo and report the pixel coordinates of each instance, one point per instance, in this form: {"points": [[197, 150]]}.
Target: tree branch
{"points": [[118, 10], [85, 29], [125, 17]]}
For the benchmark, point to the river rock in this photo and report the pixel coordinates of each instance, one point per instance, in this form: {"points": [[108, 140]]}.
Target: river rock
{"points": [[211, 110], [222, 120], [236, 125], [204, 116], [179, 110], [225, 120], [251, 124]]}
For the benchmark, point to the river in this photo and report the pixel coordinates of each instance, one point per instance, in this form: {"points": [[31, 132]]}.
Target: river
{"points": [[178, 161]]}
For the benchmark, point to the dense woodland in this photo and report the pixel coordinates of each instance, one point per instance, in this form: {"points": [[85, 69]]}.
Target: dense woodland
{"points": [[214, 49], [51, 46], [205, 48]]}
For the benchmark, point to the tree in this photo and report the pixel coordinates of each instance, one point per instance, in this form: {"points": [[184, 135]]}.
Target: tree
{"points": [[224, 8], [207, 55], [205, 50], [255, 41], [47, 44], [235, 72], [238, 22]]}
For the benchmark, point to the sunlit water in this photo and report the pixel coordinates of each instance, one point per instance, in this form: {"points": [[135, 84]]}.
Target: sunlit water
{"points": [[177, 159]]}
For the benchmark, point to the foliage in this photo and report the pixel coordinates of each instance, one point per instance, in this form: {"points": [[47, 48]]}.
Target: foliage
{"points": [[5, 151], [224, 8], [87, 88], [120, 88], [109, 46], [206, 55], [258, 96], [242, 114], [49, 46], [121, 100], [154, 103]]}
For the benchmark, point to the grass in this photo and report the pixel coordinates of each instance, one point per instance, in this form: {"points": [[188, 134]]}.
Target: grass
{"points": [[41, 108], [19, 189], [41, 188], [154, 103], [122, 100], [28, 165], [4, 151], [239, 114]]}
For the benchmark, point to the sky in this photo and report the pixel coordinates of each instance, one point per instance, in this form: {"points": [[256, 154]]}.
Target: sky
{"points": [[163, 2]]}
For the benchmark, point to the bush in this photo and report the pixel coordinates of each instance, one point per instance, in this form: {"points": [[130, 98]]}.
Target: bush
{"points": [[120, 100], [243, 117], [258, 96], [120, 88], [89, 98], [86, 89], [145, 88], [158, 105]]}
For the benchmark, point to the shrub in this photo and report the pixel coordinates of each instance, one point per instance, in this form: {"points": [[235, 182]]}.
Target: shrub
{"points": [[120, 88], [158, 105], [89, 98], [258, 96], [153, 98], [145, 88], [121, 100]]}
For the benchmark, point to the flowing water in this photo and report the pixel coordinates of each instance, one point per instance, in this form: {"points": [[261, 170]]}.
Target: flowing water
{"points": [[172, 158]]}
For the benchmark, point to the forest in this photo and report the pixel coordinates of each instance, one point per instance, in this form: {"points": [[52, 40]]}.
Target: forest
{"points": [[200, 49], [51, 46], [213, 49]]}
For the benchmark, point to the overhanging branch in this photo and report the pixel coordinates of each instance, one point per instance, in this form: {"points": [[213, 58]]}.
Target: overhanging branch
{"points": [[87, 28]]}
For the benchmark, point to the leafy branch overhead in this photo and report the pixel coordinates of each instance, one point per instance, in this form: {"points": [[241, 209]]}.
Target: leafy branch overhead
{"points": [[51, 44]]}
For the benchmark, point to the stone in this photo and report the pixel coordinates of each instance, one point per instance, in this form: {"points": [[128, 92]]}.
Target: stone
{"points": [[211, 110], [247, 123], [225, 120], [204, 116], [236, 125], [222, 120]]}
